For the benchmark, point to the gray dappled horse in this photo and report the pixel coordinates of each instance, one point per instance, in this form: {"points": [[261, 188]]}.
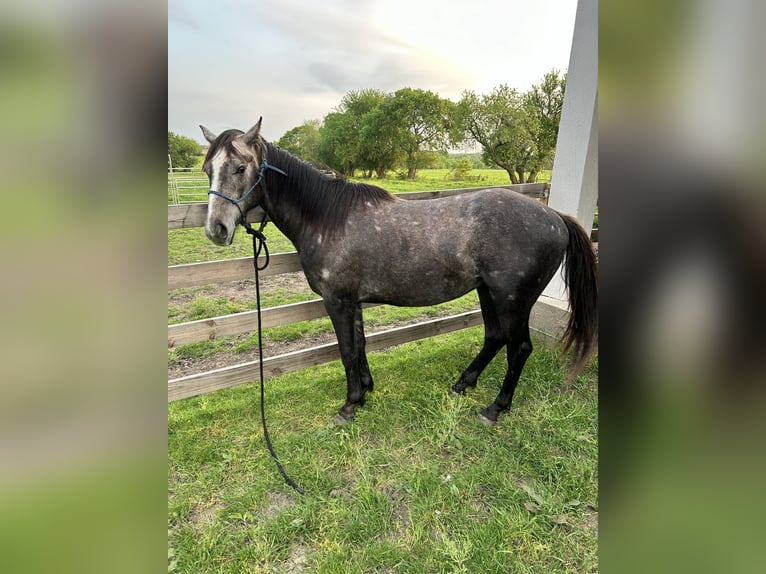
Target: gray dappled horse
{"points": [[359, 244]]}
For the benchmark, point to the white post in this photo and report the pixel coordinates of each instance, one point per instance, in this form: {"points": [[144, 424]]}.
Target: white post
{"points": [[574, 183], [173, 184]]}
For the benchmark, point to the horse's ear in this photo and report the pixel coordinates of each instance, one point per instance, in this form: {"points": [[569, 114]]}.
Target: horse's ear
{"points": [[251, 137], [209, 136]]}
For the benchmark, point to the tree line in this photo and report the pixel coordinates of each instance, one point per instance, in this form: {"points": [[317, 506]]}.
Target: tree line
{"points": [[411, 129], [377, 132]]}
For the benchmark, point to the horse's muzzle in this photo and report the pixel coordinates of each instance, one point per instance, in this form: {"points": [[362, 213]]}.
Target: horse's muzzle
{"points": [[219, 234]]}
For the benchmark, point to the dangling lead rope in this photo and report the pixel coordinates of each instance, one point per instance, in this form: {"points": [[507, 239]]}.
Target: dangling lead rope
{"points": [[259, 244]]}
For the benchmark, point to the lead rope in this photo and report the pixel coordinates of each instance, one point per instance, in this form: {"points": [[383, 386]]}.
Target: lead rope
{"points": [[259, 244]]}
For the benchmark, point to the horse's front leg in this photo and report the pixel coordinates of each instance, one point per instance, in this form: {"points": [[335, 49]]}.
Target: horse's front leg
{"points": [[342, 313]]}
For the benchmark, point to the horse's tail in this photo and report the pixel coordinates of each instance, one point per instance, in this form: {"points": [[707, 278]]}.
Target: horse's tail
{"points": [[581, 276]]}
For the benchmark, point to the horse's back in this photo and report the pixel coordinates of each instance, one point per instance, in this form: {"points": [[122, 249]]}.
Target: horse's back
{"points": [[425, 251]]}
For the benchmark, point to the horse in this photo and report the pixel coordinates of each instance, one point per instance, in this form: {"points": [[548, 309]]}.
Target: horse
{"points": [[357, 244]]}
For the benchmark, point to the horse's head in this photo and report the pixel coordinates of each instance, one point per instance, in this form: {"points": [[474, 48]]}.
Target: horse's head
{"points": [[232, 164]]}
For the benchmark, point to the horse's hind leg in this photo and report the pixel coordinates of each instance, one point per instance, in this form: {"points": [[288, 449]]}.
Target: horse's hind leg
{"points": [[519, 349], [493, 342]]}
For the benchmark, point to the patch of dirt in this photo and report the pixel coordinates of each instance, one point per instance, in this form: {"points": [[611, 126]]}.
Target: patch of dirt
{"points": [[296, 561], [590, 521], [202, 514], [400, 504], [278, 501]]}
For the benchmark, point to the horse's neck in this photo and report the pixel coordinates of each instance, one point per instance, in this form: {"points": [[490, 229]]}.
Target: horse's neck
{"points": [[282, 211]]}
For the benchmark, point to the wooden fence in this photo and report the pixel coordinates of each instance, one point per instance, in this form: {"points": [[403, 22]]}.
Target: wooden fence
{"points": [[196, 274]]}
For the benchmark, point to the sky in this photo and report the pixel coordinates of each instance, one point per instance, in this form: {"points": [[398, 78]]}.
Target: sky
{"points": [[290, 61]]}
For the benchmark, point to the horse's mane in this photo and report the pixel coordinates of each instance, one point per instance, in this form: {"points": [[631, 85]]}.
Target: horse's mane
{"points": [[324, 202]]}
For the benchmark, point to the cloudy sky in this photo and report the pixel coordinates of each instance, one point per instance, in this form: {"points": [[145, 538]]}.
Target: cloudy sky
{"points": [[231, 61]]}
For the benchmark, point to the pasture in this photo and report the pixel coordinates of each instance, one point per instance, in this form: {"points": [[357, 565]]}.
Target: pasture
{"points": [[415, 484], [427, 179]]}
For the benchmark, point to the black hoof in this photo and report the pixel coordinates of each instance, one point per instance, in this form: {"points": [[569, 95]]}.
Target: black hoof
{"points": [[488, 416], [346, 413], [459, 388]]}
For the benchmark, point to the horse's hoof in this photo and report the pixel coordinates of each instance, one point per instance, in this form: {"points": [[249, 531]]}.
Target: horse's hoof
{"points": [[485, 421], [459, 388], [341, 420]]}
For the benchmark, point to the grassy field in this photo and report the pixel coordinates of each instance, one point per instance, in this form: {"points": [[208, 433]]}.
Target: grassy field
{"points": [[427, 179], [415, 484]]}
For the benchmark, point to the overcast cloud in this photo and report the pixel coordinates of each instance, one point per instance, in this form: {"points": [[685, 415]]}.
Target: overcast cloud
{"points": [[292, 61]]}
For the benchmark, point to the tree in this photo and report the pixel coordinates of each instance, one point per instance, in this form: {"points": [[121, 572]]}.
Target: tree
{"points": [[341, 144], [517, 132], [302, 141], [380, 141], [543, 104], [499, 123], [462, 168], [337, 145], [182, 150], [422, 118]]}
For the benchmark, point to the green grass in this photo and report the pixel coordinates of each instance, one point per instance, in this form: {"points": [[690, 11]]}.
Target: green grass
{"points": [[415, 484], [191, 246], [431, 179], [426, 180]]}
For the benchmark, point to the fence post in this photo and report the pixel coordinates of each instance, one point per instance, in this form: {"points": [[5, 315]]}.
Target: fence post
{"points": [[574, 182], [173, 186]]}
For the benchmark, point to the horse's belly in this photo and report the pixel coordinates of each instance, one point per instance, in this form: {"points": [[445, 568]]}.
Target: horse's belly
{"points": [[417, 289]]}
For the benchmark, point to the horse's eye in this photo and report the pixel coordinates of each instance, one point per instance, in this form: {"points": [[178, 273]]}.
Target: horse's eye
{"points": [[240, 169]]}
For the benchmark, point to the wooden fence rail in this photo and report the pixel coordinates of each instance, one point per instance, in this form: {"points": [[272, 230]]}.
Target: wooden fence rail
{"points": [[196, 274], [207, 272]]}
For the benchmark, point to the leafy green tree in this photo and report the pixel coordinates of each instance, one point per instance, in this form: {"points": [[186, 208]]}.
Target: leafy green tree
{"points": [[517, 132], [462, 169], [337, 145], [380, 141], [499, 123], [182, 150], [341, 144], [543, 104], [422, 119], [302, 141]]}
